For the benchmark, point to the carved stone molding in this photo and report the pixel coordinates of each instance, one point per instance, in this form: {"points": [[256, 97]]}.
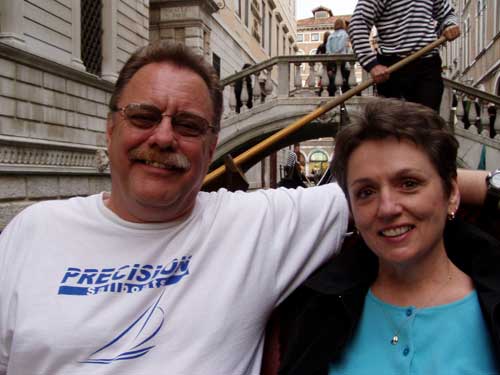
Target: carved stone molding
{"points": [[25, 158]]}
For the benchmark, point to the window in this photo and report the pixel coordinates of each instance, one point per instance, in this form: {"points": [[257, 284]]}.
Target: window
{"points": [[263, 24], [91, 35], [321, 14], [270, 36], [216, 63], [497, 16], [237, 7], [300, 37], [314, 37], [466, 55], [277, 39], [247, 12], [480, 25]]}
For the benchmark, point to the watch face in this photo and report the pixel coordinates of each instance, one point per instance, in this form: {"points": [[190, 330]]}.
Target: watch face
{"points": [[495, 180]]}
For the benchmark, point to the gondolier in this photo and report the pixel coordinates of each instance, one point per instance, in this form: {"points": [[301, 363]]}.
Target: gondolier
{"points": [[403, 27]]}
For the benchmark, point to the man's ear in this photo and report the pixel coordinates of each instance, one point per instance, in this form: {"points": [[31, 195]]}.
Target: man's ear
{"points": [[213, 145], [109, 128]]}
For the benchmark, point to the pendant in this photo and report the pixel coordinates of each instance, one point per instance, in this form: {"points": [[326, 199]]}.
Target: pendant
{"points": [[394, 340]]}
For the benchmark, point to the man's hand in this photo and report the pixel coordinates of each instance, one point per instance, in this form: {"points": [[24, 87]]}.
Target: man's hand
{"points": [[452, 32], [379, 73]]}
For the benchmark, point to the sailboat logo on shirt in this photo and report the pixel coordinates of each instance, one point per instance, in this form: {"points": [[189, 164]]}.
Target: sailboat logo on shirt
{"points": [[135, 340]]}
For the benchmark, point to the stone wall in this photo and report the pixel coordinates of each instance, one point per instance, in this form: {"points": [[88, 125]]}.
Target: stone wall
{"points": [[52, 131]]}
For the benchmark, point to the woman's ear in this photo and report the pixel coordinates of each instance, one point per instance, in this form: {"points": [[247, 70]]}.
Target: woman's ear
{"points": [[454, 198]]}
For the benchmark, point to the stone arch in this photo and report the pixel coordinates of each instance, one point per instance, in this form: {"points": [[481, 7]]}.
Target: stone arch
{"points": [[318, 162]]}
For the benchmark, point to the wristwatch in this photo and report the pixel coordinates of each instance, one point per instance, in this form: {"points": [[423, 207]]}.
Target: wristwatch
{"points": [[493, 191]]}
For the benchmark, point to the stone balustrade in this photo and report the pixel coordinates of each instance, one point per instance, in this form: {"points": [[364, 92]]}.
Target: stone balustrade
{"points": [[282, 76]]}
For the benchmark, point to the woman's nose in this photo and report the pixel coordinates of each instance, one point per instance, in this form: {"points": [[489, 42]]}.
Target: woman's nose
{"points": [[389, 204]]}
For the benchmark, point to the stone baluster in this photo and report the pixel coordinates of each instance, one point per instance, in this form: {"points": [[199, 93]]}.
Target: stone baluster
{"points": [[484, 119], [298, 77], [352, 75], [256, 89], [232, 98], [338, 80], [311, 79], [268, 86], [244, 95], [472, 117], [325, 80], [460, 112]]}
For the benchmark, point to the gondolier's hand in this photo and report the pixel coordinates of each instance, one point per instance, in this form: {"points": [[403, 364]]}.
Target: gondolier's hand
{"points": [[452, 32], [379, 73]]}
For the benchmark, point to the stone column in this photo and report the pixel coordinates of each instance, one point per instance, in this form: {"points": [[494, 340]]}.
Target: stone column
{"points": [[11, 23], [109, 37], [76, 43]]}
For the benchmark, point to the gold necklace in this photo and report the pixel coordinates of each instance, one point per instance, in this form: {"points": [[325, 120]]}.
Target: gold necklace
{"points": [[395, 337]]}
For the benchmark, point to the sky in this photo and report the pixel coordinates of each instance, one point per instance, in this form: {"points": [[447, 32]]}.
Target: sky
{"points": [[338, 7]]}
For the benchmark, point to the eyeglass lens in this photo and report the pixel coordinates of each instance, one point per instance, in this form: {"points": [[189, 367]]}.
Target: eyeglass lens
{"points": [[146, 116]]}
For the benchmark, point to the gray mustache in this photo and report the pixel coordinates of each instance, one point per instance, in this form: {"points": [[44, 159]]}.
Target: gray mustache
{"points": [[171, 159]]}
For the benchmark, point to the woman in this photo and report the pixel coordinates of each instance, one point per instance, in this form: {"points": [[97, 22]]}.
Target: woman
{"points": [[420, 293], [338, 43]]}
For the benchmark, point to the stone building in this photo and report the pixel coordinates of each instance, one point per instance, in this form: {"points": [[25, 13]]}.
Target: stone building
{"points": [[59, 60], [474, 58]]}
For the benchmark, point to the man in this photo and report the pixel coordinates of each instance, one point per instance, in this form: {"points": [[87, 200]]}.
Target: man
{"points": [[403, 27], [156, 277]]}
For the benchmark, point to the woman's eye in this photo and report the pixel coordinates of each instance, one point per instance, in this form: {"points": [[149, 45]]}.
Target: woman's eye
{"points": [[364, 193], [410, 183]]}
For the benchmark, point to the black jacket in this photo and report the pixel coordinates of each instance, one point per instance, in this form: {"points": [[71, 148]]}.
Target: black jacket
{"points": [[320, 317]]}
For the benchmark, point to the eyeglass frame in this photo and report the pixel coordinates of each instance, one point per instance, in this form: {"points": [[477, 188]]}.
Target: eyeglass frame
{"points": [[122, 111]]}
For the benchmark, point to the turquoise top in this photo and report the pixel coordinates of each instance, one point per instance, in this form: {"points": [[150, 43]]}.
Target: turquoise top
{"points": [[448, 339]]}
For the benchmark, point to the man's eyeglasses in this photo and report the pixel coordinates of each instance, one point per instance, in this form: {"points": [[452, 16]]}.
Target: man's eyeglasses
{"points": [[147, 116]]}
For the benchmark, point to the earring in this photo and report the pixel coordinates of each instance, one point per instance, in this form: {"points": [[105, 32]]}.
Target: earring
{"points": [[451, 216]]}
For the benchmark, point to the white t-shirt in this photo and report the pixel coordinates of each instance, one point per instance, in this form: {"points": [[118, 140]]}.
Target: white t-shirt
{"points": [[85, 292]]}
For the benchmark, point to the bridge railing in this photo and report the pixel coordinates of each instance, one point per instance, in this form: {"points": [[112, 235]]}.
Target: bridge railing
{"points": [[468, 108], [282, 76]]}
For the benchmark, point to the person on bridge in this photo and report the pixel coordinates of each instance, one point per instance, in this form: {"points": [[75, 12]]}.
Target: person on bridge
{"points": [[155, 274], [419, 292], [403, 27], [338, 43]]}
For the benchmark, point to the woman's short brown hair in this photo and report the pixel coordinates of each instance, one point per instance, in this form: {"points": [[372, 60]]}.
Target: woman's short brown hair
{"points": [[385, 118], [178, 55]]}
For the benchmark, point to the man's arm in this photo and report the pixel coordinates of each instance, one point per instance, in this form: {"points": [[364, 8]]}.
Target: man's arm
{"points": [[472, 186], [361, 24], [447, 21]]}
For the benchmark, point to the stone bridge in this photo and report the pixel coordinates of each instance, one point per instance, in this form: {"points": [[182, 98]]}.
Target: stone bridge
{"points": [[282, 97]]}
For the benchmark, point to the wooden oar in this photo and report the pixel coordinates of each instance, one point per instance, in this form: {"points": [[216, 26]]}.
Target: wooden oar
{"points": [[290, 129]]}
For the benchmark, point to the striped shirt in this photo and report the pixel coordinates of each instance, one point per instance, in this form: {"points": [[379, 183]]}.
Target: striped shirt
{"points": [[403, 26]]}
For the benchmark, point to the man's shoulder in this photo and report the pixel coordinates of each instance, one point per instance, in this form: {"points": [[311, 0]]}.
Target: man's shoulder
{"points": [[51, 209]]}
